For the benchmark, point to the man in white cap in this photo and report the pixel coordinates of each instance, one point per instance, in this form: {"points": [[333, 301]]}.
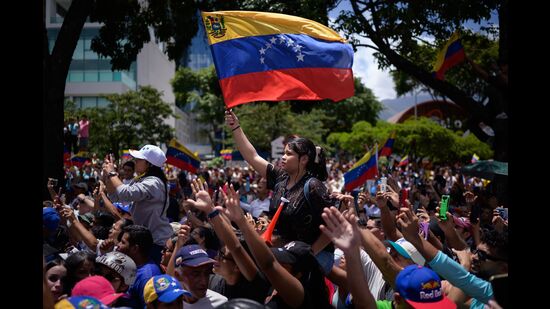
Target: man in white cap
{"points": [[148, 193]]}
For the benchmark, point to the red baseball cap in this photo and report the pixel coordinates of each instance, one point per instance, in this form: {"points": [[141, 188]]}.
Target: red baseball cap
{"points": [[98, 287]]}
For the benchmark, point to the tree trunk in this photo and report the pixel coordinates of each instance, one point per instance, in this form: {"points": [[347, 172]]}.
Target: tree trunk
{"points": [[55, 70]]}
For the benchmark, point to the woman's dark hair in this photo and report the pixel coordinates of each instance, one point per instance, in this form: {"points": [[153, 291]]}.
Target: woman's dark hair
{"points": [[303, 146], [54, 262], [72, 263], [313, 281]]}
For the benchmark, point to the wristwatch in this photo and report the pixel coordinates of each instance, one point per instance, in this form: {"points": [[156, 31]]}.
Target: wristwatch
{"points": [[112, 174]]}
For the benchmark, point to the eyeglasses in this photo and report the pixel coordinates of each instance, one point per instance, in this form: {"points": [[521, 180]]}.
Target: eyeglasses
{"points": [[222, 255], [483, 256]]}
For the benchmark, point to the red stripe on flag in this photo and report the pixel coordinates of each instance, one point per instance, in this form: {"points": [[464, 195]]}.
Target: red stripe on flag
{"points": [[181, 164], [288, 84]]}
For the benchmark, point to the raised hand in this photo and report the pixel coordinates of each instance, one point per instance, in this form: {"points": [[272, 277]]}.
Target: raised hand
{"points": [[339, 230], [203, 202], [392, 196], [408, 222], [183, 234], [233, 208], [231, 119], [447, 225], [68, 214]]}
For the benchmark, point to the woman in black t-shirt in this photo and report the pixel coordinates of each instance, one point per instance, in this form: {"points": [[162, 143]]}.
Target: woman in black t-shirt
{"points": [[302, 163]]}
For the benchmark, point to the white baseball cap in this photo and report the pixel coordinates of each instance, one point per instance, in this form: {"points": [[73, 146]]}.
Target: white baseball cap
{"points": [[407, 250], [151, 153]]}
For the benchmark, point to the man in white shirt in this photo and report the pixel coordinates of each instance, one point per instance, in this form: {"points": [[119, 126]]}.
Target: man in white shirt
{"points": [[261, 203]]}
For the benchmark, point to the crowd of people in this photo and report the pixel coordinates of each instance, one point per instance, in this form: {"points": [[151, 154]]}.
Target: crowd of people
{"points": [[280, 234]]}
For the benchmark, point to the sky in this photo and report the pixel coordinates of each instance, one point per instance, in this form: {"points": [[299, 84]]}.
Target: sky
{"points": [[365, 66]]}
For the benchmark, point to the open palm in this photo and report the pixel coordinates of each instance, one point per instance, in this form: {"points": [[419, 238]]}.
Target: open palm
{"points": [[339, 230]]}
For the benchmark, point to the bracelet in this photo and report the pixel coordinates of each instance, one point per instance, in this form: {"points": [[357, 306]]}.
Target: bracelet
{"points": [[235, 128], [213, 214]]}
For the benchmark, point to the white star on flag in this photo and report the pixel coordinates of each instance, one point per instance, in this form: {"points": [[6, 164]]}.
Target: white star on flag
{"points": [[262, 59], [281, 39], [262, 51], [298, 48], [268, 45], [300, 57], [273, 40]]}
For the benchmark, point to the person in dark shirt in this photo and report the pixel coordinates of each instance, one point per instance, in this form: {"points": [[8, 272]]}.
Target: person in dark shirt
{"points": [[302, 163]]}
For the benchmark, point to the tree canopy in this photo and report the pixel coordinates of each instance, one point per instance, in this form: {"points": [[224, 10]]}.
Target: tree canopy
{"points": [[422, 137], [131, 120], [405, 36]]}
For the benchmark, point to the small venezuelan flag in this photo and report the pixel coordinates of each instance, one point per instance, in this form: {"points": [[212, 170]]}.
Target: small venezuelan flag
{"points": [[362, 170], [273, 57], [181, 157], [404, 161], [386, 150], [451, 55]]}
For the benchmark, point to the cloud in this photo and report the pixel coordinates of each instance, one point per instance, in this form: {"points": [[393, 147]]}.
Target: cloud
{"points": [[365, 67]]}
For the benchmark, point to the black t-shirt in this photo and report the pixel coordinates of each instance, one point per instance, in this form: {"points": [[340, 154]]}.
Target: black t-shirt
{"points": [[298, 220], [257, 289]]}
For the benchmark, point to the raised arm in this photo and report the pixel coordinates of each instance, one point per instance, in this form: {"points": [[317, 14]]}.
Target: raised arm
{"points": [[441, 263], [223, 229], [243, 145], [386, 216], [288, 287], [347, 237], [78, 229], [451, 236]]}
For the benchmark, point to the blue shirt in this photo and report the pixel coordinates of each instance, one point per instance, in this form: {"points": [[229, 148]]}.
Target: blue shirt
{"points": [[143, 274], [477, 288]]}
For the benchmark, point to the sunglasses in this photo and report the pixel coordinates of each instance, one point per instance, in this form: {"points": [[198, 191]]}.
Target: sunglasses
{"points": [[483, 256]]}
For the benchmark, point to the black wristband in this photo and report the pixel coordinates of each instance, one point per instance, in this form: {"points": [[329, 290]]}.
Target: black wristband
{"points": [[235, 128], [213, 214]]}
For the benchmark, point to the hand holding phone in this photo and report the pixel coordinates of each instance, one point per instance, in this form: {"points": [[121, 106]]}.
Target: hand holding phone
{"points": [[444, 207]]}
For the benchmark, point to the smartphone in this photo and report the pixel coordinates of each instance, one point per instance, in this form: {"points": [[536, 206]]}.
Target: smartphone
{"points": [[383, 184], [444, 207]]}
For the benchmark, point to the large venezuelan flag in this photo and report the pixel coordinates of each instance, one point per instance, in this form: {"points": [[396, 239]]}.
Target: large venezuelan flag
{"points": [[451, 55], [362, 170], [272, 57], [388, 146], [179, 156]]}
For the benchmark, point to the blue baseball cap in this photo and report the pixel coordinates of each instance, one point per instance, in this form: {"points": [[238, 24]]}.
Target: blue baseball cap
{"points": [[80, 302], [165, 288], [192, 256], [421, 288], [50, 218]]}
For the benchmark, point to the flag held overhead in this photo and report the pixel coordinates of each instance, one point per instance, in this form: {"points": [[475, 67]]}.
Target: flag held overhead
{"points": [[273, 57]]}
